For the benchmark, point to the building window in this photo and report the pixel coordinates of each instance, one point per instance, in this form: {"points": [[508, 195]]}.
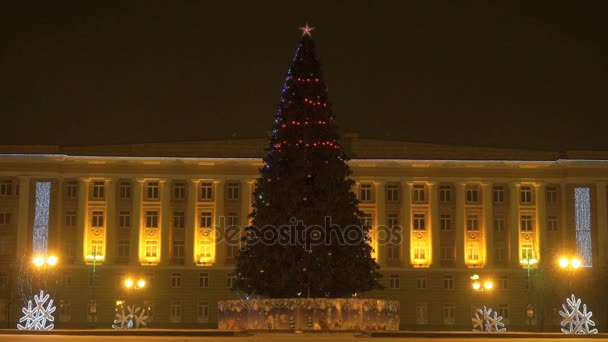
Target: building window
{"points": [[71, 190], [203, 311], [527, 252], [99, 190], [551, 194], [232, 220], [393, 281], [448, 282], [503, 310], [123, 248], [230, 280], [93, 278], [233, 191], [5, 218], [552, 223], [499, 254], [525, 194], [394, 251], [421, 282], [70, 218], [422, 313], [446, 253], [367, 220], [152, 191], [472, 194], [503, 283], [124, 190], [205, 245], [449, 314], [151, 219], [175, 311], [445, 193], [96, 247], [498, 194], [206, 191], [392, 192], [6, 188], [151, 248], [124, 219], [97, 219], [473, 251], [65, 310], [392, 221], [149, 279], [205, 219], [525, 223], [67, 279], [178, 219], [178, 249], [179, 191], [445, 222], [472, 223], [176, 280], [499, 223], [420, 251], [3, 280], [203, 280], [418, 193], [365, 192], [419, 222]]}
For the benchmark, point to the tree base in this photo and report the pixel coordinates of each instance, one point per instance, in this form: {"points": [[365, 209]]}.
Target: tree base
{"points": [[309, 314]]}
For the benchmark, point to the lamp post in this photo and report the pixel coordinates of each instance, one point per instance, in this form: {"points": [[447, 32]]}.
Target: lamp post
{"points": [[570, 265], [528, 262], [481, 286]]}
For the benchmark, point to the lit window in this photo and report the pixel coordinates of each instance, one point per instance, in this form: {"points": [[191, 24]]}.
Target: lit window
{"points": [[498, 194], [206, 191], [472, 223], [151, 249], [205, 219], [473, 251], [98, 190], [97, 219], [233, 191], [96, 247], [392, 192], [418, 194], [152, 191], [179, 191], [445, 193], [419, 222], [205, 247], [393, 281], [420, 251], [151, 219], [445, 223], [365, 193], [527, 252], [472, 194], [525, 194], [525, 223]]}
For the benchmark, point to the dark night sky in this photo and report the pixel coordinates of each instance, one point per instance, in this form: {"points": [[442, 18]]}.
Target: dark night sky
{"points": [[500, 73]]}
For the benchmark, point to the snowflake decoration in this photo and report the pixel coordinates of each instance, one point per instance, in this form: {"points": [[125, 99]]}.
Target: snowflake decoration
{"points": [[488, 322], [577, 322], [36, 318], [135, 316]]}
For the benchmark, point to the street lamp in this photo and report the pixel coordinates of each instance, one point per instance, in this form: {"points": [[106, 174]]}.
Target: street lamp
{"points": [[477, 284], [570, 265], [130, 284]]}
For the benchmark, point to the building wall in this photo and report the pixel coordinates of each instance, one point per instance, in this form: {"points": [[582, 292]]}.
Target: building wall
{"points": [[453, 218]]}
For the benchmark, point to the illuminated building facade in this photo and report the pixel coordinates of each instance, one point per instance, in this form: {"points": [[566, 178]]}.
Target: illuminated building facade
{"points": [[157, 212]]}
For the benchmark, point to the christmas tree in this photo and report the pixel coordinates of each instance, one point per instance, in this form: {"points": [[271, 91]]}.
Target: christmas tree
{"points": [[307, 236]]}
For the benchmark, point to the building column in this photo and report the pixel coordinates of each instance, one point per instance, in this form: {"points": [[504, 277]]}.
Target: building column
{"points": [[111, 223], [220, 245], [602, 223], [81, 221], [55, 235], [134, 251], [459, 217], [513, 224], [406, 251], [190, 222], [435, 224], [488, 225], [380, 233], [540, 240], [24, 214], [165, 221], [565, 245]]}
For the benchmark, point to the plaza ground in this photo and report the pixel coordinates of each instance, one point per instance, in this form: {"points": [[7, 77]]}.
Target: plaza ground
{"points": [[340, 337]]}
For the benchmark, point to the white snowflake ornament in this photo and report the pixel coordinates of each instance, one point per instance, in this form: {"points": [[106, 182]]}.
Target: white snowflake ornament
{"points": [[575, 321], [485, 321], [36, 318], [135, 318]]}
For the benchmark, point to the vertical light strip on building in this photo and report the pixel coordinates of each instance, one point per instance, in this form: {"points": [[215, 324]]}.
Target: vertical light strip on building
{"points": [[582, 211], [40, 237]]}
